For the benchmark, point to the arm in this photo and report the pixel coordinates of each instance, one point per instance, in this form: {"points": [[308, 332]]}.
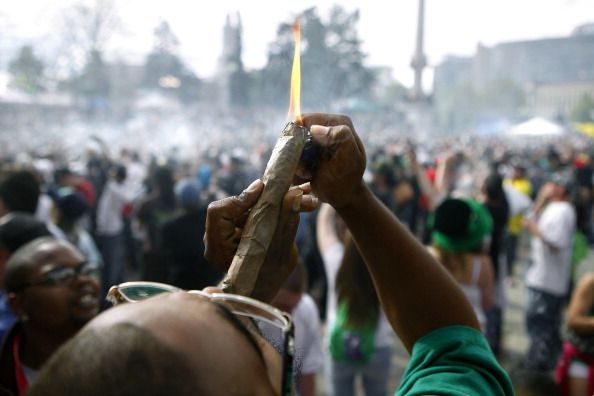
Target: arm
{"points": [[408, 280], [307, 384], [326, 233], [427, 188], [581, 302], [487, 282]]}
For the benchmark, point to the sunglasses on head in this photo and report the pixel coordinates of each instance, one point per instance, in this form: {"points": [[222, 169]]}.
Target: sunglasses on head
{"points": [[261, 319]]}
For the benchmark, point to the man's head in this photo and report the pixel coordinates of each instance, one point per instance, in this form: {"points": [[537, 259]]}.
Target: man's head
{"points": [[51, 288], [19, 192], [215, 354], [16, 230]]}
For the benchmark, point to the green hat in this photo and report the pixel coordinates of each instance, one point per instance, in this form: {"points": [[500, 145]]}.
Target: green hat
{"points": [[460, 225]]}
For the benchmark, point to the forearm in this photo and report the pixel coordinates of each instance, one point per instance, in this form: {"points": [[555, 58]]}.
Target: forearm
{"points": [[408, 280], [307, 384], [583, 325]]}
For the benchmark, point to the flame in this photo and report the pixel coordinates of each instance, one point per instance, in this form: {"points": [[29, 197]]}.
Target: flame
{"points": [[295, 96]]}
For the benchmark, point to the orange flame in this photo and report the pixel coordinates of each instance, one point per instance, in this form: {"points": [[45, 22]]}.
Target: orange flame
{"points": [[295, 96]]}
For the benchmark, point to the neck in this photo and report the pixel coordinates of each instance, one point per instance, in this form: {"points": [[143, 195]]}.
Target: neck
{"points": [[37, 346]]}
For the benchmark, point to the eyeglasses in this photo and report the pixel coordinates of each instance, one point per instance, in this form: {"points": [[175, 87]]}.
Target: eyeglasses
{"points": [[267, 322], [64, 275]]}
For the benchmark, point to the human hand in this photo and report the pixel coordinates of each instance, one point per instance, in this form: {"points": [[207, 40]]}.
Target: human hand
{"points": [[226, 218], [339, 173]]}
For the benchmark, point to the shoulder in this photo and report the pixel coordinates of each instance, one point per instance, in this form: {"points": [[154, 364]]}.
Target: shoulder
{"points": [[454, 360]]}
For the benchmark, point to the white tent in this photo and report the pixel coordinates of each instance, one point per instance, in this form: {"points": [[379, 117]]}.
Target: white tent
{"points": [[536, 126]]}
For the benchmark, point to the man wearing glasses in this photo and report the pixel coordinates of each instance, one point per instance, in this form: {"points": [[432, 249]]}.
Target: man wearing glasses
{"points": [[214, 353], [53, 292]]}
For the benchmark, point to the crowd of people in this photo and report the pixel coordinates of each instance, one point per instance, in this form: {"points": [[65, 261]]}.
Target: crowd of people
{"points": [[415, 240]]}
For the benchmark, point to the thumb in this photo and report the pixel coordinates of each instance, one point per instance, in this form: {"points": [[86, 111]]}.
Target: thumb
{"points": [[236, 206]]}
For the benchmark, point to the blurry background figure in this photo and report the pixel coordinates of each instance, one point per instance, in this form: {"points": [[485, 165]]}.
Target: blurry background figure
{"points": [[16, 230], [520, 183], [19, 192], [575, 371], [495, 201], [156, 209], [358, 335], [182, 243], [552, 227], [110, 227], [533, 383], [309, 355], [236, 176], [460, 227], [65, 178], [70, 208], [53, 292]]}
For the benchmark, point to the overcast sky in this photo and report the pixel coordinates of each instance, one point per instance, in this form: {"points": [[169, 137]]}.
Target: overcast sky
{"points": [[387, 28]]}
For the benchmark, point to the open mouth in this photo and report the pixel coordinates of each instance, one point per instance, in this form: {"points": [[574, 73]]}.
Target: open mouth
{"points": [[87, 300]]}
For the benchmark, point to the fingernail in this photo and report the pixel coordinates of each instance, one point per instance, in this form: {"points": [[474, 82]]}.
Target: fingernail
{"points": [[252, 187], [297, 202]]}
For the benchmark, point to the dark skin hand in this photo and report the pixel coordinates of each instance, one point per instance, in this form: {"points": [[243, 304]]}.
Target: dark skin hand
{"points": [[226, 219]]}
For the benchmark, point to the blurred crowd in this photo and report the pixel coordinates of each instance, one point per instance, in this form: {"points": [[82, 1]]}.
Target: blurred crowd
{"points": [[473, 201]]}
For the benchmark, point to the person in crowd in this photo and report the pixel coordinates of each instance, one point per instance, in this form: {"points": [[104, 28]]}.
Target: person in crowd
{"points": [[110, 228], [70, 207], [157, 208], [575, 370], [520, 182], [533, 383], [359, 336], [459, 228], [552, 227], [20, 192], [495, 200], [53, 292], [64, 177], [183, 247], [309, 355], [184, 344], [16, 229]]}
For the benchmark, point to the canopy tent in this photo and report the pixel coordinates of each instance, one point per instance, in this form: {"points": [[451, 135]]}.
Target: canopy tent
{"points": [[536, 126]]}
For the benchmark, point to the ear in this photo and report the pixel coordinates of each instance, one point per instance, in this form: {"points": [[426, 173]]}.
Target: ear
{"points": [[17, 304], [4, 255], [3, 209]]}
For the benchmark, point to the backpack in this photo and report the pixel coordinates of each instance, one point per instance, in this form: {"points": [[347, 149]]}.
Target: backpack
{"points": [[349, 343]]}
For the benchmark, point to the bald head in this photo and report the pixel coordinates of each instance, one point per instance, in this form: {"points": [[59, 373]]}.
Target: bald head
{"points": [[212, 357], [26, 258], [106, 362]]}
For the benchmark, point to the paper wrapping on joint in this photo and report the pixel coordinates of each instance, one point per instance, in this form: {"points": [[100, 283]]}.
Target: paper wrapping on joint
{"points": [[246, 268]]}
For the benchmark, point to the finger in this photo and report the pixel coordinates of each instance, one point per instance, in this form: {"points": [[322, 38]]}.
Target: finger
{"points": [[324, 119], [309, 203], [235, 206], [310, 119]]}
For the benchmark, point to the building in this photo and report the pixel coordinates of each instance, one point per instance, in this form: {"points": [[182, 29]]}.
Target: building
{"points": [[554, 73]]}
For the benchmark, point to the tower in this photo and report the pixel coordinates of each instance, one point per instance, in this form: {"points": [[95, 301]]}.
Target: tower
{"points": [[419, 61], [231, 75]]}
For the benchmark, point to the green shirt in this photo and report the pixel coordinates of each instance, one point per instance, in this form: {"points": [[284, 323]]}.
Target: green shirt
{"points": [[454, 360]]}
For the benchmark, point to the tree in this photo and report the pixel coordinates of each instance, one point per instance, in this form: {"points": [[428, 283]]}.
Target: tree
{"points": [[27, 71], [332, 62], [93, 83], [164, 70], [87, 29]]}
